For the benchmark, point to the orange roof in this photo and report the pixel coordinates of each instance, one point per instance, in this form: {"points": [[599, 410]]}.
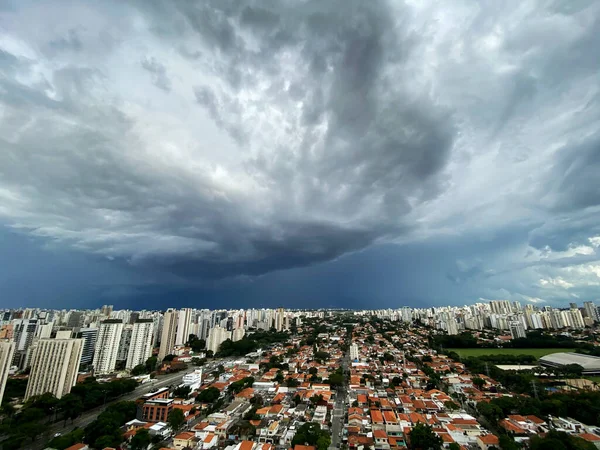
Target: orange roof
{"points": [[511, 426], [390, 417], [209, 437], [380, 434], [246, 445], [361, 398], [77, 446], [589, 437], [535, 419], [186, 435], [304, 447], [376, 416], [446, 438], [489, 439]]}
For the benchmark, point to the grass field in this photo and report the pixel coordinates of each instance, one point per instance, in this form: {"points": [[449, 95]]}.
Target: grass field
{"points": [[537, 352]]}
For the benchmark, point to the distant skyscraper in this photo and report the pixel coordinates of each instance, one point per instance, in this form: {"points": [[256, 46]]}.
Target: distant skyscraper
{"points": [[125, 342], [141, 343], [54, 366], [107, 345], [7, 348], [216, 337], [169, 331], [237, 334], [517, 330], [590, 311], [24, 331], [89, 336], [279, 319], [183, 326]]}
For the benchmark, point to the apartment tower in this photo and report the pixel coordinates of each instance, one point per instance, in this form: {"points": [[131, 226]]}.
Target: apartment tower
{"points": [[54, 366]]}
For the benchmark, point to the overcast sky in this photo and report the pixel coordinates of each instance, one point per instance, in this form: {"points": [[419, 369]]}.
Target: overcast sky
{"points": [[299, 153]]}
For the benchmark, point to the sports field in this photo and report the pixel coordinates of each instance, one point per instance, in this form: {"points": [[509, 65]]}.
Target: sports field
{"points": [[537, 352]]}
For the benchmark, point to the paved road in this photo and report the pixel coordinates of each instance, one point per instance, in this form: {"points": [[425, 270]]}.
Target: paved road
{"points": [[339, 410], [89, 416]]}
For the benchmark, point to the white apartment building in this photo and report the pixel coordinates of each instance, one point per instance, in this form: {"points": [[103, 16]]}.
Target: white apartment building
{"points": [[216, 337], [107, 345], [354, 352], [140, 348], [238, 334], [54, 366], [7, 349], [183, 326], [169, 330]]}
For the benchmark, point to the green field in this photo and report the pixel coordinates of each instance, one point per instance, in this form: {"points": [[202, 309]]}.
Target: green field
{"points": [[537, 352]]}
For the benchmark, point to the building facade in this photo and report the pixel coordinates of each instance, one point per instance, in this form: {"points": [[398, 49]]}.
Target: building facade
{"points": [[7, 348], [107, 345], [168, 335], [140, 348], [54, 366]]}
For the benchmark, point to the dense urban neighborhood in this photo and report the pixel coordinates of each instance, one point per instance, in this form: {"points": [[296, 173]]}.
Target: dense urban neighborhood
{"points": [[486, 377]]}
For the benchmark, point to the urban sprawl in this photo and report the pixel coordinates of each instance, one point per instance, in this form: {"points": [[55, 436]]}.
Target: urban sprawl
{"points": [[495, 375]]}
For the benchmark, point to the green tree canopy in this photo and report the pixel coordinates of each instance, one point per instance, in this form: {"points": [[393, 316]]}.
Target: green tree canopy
{"points": [[422, 437], [141, 440], [176, 419], [310, 433]]}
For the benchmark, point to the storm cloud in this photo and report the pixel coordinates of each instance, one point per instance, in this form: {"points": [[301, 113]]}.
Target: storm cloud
{"points": [[223, 139]]}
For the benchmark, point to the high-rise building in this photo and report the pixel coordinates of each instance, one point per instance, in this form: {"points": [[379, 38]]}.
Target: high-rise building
{"points": [[354, 352], [7, 348], [517, 330], [279, 319], [24, 331], [237, 334], [89, 336], [169, 331], [590, 311], [124, 343], [141, 343], [107, 345], [216, 337], [183, 326], [54, 366]]}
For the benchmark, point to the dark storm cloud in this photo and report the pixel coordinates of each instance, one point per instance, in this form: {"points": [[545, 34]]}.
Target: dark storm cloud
{"points": [[286, 134]]}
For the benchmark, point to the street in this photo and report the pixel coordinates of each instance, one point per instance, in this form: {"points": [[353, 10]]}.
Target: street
{"points": [[339, 410], [89, 416]]}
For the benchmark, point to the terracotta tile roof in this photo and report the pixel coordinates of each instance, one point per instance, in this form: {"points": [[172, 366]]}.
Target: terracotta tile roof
{"points": [[489, 439], [589, 437], [246, 445], [185, 435], [376, 416], [380, 434]]}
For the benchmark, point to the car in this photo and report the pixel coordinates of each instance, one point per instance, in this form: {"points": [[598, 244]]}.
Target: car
{"points": [[57, 434]]}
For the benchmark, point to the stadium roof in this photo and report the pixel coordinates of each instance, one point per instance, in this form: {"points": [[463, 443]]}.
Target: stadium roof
{"points": [[589, 363]]}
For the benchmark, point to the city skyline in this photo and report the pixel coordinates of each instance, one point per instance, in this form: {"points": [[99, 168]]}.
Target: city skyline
{"points": [[318, 154]]}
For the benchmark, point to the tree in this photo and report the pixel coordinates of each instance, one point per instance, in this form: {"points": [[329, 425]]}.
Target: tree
{"points": [[182, 391], [508, 443], [479, 382], [141, 440], [422, 437], [450, 405], [453, 446], [310, 433], [151, 364], [176, 419], [168, 358], [140, 369], [70, 406], [208, 395], [336, 379]]}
